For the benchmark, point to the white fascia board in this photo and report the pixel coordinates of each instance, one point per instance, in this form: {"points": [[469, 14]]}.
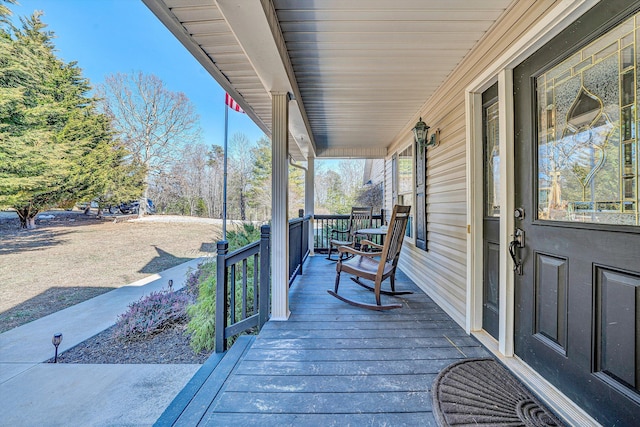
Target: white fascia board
{"points": [[256, 29]]}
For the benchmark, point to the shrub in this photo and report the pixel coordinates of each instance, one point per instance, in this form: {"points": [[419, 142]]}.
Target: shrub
{"points": [[152, 314], [202, 314], [249, 233], [192, 285]]}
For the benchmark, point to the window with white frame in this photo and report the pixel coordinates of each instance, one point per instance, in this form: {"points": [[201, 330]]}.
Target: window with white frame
{"points": [[405, 184]]}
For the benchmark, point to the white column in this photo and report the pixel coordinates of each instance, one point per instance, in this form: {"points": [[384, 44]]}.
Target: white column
{"points": [[279, 206], [309, 198]]}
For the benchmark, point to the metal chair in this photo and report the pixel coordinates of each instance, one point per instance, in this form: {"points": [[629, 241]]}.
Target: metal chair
{"points": [[376, 266], [360, 218]]}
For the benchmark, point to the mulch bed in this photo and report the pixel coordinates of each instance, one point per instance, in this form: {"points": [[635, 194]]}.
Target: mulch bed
{"points": [[169, 346]]}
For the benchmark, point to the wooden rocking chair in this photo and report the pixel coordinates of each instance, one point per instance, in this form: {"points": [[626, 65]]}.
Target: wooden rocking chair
{"points": [[360, 218], [377, 265]]}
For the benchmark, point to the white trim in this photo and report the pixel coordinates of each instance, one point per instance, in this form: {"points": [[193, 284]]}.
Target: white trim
{"points": [[475, 188], [412, 238], [507, 190], [309, 196]]}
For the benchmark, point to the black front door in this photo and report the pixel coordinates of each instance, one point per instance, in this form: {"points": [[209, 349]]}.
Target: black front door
{"points": [[491, 214], [576, 166]]}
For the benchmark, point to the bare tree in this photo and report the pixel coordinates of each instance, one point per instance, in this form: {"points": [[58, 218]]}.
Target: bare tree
{"points": [[151, 120], [191, 174], [212, 186], [351, 172], [240, 171]]}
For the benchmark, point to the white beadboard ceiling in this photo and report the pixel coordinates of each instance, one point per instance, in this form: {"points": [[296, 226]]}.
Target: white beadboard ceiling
{"points": [[359, 70]]}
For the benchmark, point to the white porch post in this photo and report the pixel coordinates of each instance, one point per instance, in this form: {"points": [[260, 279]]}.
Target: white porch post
{"points": [[279, 206], [309, 198]]}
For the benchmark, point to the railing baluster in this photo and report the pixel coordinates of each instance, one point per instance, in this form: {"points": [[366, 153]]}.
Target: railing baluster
{"points": [[324, 223], [244, 289], [256, 280], [221, 296], [232, 296]]}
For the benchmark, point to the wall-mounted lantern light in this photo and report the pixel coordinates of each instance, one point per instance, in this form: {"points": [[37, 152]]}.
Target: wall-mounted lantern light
{"points": [[420, 132]]}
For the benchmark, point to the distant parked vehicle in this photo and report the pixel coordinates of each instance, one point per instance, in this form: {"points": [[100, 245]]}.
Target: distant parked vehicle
{"points": [[85, 205], [132, 207]]}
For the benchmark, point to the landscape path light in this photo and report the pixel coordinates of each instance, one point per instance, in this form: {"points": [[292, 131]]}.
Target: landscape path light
{"points": [[56, 340]]}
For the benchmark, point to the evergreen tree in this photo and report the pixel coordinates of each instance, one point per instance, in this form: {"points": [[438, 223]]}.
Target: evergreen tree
{"points": [[296, 191], [52, 142], [336, 197], [260, 183], [260, 189]]}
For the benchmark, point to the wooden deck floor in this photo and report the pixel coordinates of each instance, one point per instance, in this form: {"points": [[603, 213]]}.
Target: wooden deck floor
{"points": [[335, 364]]}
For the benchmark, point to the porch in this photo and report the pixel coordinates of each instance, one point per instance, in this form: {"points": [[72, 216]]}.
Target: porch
{"points": [[330, 363]]}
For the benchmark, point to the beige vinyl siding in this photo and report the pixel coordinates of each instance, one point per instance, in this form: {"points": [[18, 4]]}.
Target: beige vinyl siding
{"points": [[441, 271], [377, 172]]}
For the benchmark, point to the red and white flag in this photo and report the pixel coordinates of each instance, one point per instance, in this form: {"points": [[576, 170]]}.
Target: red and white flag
{"points": [[232, 104]]}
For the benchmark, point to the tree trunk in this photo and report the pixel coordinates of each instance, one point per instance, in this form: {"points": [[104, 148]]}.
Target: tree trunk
{"points": [[23, 221], [243, 206], [27, 217], [142, 205]]}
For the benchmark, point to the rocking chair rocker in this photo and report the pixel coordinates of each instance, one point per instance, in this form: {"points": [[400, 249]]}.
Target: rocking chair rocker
{"points": [[365, 265]]}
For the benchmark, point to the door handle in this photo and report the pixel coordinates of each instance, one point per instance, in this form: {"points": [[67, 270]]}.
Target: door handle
{"points": [[517, 243]]}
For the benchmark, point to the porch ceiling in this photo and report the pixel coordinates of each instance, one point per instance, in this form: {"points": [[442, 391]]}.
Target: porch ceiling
{"points": [[359, 70]]}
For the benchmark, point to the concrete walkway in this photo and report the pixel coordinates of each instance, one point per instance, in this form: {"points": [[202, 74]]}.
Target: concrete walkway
{"points": [[37, 394]]}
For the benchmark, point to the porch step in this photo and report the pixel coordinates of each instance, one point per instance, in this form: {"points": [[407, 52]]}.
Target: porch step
{"points": [[190, 405]]}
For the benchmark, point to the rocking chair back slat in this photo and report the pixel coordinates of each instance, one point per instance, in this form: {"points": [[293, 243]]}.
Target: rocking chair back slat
{"points": [[360, 218], [396, 233]]}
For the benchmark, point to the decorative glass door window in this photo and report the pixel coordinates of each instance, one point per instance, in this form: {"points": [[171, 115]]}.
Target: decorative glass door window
{"points": [[587, 132], [492, 162]]}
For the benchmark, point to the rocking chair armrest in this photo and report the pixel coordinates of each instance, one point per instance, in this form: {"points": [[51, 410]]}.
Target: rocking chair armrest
{"points": [[352, 251], [366, 242], [338, 231]]}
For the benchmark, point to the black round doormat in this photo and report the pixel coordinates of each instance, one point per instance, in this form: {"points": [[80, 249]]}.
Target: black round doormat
{"points": [[482, 392]]}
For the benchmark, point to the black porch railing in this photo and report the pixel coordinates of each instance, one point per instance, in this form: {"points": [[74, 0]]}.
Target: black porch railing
{"points": [[242, 302], [243, 280], [298, 244], [324, 223]]}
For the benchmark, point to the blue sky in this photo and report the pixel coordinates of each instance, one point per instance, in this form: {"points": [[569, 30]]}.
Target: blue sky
{"points": [[110, 36]]}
